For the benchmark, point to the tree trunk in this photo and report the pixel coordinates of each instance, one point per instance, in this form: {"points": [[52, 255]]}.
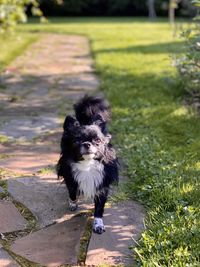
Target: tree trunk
{"points": [[151, 9], [172, 7]]}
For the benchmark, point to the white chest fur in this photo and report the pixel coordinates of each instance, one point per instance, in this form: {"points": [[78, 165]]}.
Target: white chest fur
{"points": [[89, 175]]}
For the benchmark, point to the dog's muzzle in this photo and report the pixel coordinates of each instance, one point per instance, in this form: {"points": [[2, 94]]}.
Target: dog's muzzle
{"points": [[88, 150]]}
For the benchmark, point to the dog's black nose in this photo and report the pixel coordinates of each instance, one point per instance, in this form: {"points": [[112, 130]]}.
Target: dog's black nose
{"points": [[86, 144]]}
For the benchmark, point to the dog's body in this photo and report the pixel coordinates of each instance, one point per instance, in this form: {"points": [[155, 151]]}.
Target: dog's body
{"points": [[88, 162]]}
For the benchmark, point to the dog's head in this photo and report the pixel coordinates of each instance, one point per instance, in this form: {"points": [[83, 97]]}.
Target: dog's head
{"points": [[93, 110], [84, 142]]}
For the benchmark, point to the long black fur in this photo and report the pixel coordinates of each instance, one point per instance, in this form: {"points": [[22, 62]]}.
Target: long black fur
{"points": [[93, 110], [89, 111]]}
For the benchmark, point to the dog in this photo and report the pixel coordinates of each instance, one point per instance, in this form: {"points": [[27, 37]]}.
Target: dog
{"points": [[88, 161]]}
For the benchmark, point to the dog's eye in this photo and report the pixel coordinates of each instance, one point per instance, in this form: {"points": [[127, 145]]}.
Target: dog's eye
{"points": [[97, 140]]}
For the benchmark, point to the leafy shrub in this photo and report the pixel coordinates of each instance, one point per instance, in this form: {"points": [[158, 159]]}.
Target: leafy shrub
{"points": [[12, 12], [188, 64]]}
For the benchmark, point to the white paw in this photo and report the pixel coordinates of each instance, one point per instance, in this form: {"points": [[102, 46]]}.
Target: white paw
{"points": [[73, 205], [98, 226]]}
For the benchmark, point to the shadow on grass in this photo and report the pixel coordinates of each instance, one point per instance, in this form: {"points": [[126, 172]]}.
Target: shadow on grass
{"points": [[107, 20], [158, 48]]}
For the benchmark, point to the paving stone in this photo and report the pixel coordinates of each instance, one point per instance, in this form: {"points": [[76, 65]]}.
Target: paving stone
{"points": [[78, 82], [53, 246], [10, 218], [29, 128], [6, 260], [26, 159], [122, 221], [28, 164], [45, 197]]}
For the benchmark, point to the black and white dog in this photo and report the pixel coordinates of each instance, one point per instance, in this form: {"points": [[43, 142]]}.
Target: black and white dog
{"points": [[88, 161]]}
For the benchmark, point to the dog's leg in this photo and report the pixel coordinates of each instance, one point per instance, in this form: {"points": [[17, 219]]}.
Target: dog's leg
{"points": [[73, 202], [72, 189], [73, 205], [100, 200]]}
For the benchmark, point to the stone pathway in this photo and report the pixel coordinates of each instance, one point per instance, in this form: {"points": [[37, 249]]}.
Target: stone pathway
{"points": [[40, 88]]}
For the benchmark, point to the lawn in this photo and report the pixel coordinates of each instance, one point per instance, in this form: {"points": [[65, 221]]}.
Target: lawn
{"points": [[13, 45], [156, 134]]}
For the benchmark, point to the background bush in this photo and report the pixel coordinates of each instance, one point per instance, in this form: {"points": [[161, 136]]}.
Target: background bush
{"points": [[14, 11], [110, 8], [189, 64]]}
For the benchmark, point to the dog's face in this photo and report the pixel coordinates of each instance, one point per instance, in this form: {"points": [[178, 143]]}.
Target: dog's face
{"points": [[86, 142]]}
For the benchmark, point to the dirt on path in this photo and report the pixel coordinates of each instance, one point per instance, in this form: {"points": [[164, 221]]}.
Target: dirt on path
{"points": [[39, 88]]}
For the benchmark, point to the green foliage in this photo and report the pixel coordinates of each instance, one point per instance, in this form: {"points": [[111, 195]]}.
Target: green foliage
{"points": [[14, 11], [188, 64], [196, 2]]}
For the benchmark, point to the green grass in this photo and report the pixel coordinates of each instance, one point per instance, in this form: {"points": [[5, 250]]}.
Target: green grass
{"points": [[13, 45], [157, 136]]}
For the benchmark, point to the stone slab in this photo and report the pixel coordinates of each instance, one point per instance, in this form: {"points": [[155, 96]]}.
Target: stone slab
{"points": [[28, 164], [6, 260], [122, 222], [29, 128], [55, 245], [26, 159], [83, 81], [44, 196], [10, 218]]}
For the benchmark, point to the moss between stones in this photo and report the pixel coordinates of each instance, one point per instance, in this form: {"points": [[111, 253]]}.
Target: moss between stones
{"points": [[3, 139], [14, 98], [20, 260], [5, 156], [84, 241], [6, 172], [3, 184], [27, 214], [11, 237], [48, 170]]}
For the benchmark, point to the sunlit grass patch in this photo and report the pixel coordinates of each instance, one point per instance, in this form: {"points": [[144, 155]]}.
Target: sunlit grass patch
{"points": [[12, 45]]}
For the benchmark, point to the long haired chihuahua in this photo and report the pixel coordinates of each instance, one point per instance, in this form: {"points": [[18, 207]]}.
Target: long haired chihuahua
{"points": [[88, 161]]}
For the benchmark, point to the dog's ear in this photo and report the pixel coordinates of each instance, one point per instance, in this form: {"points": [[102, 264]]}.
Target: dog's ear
{"points": [[99, 121], [70, 123]]}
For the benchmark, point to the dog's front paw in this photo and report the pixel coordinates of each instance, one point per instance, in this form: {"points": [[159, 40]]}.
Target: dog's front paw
{"points": [[98, 226], [73, 205]]}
